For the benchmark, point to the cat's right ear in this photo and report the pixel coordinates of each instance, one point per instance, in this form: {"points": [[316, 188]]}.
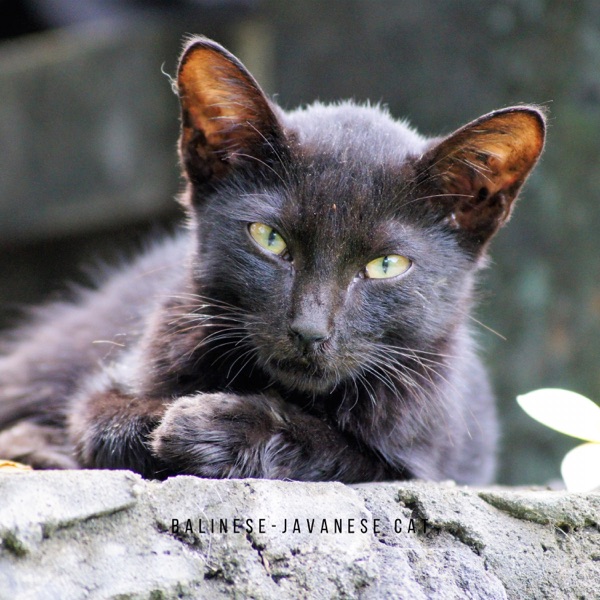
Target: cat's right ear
{"points": [[226, 120]]}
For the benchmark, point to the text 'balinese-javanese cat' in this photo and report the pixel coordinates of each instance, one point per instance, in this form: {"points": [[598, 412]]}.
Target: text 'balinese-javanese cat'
{"points": [[311, 322]]}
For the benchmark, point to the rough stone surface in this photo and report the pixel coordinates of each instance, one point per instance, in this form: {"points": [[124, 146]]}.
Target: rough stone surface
{"points": [[109, 534]]}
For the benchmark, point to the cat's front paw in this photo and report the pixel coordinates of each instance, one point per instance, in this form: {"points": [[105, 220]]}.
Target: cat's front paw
{"points": [[221, 436]]}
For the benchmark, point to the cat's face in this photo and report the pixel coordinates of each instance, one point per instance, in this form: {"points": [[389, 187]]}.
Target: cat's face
{"points": [[334, 275], [336, 243]]}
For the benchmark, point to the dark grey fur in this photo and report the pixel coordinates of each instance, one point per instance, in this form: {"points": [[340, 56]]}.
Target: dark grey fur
{"points": [[209, 356]]}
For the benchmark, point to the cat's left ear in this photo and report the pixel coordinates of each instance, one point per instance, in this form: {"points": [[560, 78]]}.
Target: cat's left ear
{"points": [[475, 174], [226, 119]]}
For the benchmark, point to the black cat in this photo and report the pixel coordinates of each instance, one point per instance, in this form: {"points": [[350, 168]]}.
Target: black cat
{"points": [[312, 322]]}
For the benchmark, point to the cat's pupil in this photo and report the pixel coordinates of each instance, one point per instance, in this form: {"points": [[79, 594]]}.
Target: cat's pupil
{"points": [[384, 264], [272, 237]]}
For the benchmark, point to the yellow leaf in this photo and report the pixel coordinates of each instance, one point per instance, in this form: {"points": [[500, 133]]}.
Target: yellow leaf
{"points": [[9, 466]]}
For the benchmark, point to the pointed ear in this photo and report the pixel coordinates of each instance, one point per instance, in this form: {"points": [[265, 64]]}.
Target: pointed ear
{"points": [[478, 170], [226, 118]]}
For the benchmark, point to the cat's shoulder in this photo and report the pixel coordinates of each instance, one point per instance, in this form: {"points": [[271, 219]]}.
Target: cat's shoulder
{"points": [[116, 290]]}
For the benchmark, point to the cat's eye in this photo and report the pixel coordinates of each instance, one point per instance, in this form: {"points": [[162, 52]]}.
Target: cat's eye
{"points": [[387, 266], [266, 237]]}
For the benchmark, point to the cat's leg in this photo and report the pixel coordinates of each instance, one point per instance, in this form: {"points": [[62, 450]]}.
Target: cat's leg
{"points": [[110, 430], [41, 446], [223, 435]]}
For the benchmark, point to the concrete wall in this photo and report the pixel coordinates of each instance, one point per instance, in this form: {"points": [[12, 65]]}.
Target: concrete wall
{"points": [[101, 534]]}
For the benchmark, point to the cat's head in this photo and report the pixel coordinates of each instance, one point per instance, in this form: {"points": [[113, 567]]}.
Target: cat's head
{"points": [[341, 240]]}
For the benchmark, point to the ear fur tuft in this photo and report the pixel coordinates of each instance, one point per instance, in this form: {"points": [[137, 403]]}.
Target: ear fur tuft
{"points": [[226, 118], [479, 170]]}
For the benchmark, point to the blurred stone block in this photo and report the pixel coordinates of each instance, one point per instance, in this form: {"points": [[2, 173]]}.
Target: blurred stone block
{"points": [[88, 125]]}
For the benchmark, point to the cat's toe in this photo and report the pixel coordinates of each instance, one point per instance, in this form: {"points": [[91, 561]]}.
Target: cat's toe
{"points": [[211, 435]]}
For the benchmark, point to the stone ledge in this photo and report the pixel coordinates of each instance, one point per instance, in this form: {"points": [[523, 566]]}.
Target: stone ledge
{"points": [[109, 534]]}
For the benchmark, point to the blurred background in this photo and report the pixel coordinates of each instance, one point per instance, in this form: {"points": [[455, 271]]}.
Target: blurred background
{"points": [[88, 165]]}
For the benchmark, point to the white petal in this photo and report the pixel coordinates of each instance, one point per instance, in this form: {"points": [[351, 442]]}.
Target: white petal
{"points": [[564, 411], [580, 468]]}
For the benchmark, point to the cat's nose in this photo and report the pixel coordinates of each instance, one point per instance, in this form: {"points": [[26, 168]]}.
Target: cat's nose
{"points": [[308, 333]]}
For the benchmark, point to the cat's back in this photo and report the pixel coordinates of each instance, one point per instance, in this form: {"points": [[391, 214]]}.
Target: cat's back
{"points": [[63, 340]]}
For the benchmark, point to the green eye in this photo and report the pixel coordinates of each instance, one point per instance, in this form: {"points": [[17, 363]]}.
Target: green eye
{"points": [[388, 266], [266, 237]]}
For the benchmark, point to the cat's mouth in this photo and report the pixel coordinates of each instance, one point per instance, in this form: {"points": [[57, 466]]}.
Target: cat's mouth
{"points": [[303, 375]]}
